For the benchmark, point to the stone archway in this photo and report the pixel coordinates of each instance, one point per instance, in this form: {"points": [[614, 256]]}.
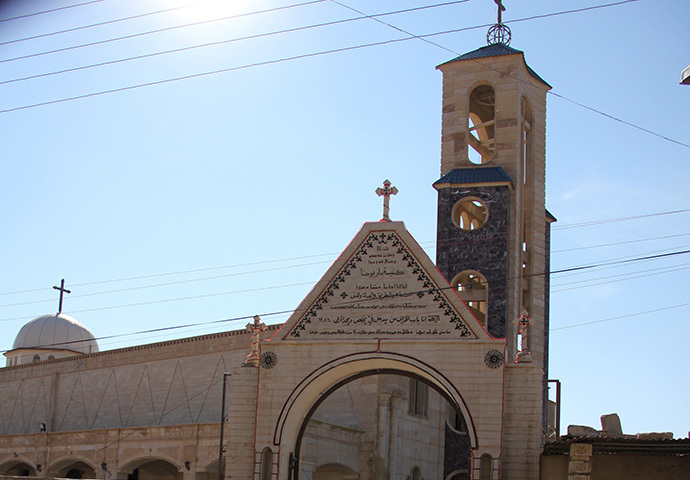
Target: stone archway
{"points": [[316, 387], [150, 469], [72, 468], [334, 472], [18, 468]]}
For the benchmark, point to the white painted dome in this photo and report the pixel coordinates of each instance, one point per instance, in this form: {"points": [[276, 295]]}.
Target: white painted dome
{"points": [[56, 332]]}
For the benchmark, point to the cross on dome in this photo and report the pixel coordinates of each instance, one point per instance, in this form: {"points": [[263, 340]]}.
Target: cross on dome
{"points": [[386, 192], [63, 290]]}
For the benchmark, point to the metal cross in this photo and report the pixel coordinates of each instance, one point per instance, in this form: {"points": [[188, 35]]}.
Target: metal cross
{"points": [[63, 290], [386, 191], [501, 8]]}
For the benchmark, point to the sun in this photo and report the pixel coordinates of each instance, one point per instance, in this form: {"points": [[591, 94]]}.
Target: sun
{"points": [[205, 10]]}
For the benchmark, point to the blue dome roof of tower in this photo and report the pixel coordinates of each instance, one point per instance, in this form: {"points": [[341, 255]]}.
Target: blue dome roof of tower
{"points": [[496, 50]]}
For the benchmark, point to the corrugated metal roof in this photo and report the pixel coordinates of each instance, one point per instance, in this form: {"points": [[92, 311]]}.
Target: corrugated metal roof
{"points": [[474, 175], [609, 445], [496, 50]]}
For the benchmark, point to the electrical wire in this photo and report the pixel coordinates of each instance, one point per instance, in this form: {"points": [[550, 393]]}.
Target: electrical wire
{"points": [[157, 12], [308, 55], [621, 277], [197, 270], [627, 242], [204, 45], [283, 312], [50, 11], [612, 117], [180, 299], [623, 261], [167, 284], [150, 32], [620, 316]]}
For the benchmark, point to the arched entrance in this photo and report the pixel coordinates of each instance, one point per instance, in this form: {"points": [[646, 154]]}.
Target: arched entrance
{"points": [[334, 471], [319, 385], [150, 469], [72, 468]]}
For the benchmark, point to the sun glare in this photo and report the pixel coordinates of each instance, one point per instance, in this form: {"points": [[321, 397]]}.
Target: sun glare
{"points": [[203, 10]]}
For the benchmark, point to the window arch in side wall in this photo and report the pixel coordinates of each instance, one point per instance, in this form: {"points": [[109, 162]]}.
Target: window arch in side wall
{"points": [[416, 474], [481, 125], [474, 291], [485, 467], [266, 464]]}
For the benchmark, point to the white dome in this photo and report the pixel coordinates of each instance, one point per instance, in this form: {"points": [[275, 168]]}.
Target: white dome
{"points": [[56, 332]]}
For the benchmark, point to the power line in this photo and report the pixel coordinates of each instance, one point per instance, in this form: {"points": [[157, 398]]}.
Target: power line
{"points": [[284, 59], [627, 242], [620, 316], [619, 219], [555, 288], [148, 14], [49, 11], [163, 329], [617, 262], [180, 272], [204, 45], [167, 284], [534, 17], [263, 262], [624, 122], [283, 312], [150, 32], [578, 268]]}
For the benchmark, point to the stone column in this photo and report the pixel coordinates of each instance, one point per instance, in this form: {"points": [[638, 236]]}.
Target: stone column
{"points": [[383, 436], [580, 466], [239, 434], [396, 412]]}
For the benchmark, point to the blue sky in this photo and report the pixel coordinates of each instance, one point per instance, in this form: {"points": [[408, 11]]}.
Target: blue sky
{"points": [[253, 180]]}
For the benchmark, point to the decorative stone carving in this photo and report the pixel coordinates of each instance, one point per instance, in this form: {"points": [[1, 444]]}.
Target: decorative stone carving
{"points": [[268, 360], [494, 359]]}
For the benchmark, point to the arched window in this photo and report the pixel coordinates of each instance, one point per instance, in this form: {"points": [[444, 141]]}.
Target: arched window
{"points": [[266, 464], [474, 291], [485, 467], [419, 397], [481, 125], [37, 358], [416, 474], [455, 420]]}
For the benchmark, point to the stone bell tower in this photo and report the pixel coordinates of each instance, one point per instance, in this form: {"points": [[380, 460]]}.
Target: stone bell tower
{"points": [[493, 228]]}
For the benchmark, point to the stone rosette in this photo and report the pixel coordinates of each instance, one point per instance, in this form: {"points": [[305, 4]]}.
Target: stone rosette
{"points": [[268, 360], [493, 359]]}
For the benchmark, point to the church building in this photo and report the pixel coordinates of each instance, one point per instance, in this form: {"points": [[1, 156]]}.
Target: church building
{"points": [[393, 367]]}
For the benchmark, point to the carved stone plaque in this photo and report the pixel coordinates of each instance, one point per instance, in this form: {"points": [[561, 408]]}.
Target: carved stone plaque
{"points": [[381, 291]]}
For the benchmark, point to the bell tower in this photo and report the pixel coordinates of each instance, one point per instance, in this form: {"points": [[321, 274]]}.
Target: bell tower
{"points": [[493, 231]]}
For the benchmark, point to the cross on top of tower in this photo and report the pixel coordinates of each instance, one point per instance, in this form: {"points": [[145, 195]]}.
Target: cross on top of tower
{"points": [[63, 290], [499, 33], [386, 192]]}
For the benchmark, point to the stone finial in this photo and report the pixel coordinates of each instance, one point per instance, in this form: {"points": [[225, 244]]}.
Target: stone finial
{"points": [[611, 423], [255, 328]]}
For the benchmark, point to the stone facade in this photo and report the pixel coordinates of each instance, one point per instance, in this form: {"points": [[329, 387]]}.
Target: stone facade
{"points": [[340, 390]]}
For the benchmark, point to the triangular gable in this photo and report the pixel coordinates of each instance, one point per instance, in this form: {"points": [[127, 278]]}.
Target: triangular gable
{"points": [[382, 286]]}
